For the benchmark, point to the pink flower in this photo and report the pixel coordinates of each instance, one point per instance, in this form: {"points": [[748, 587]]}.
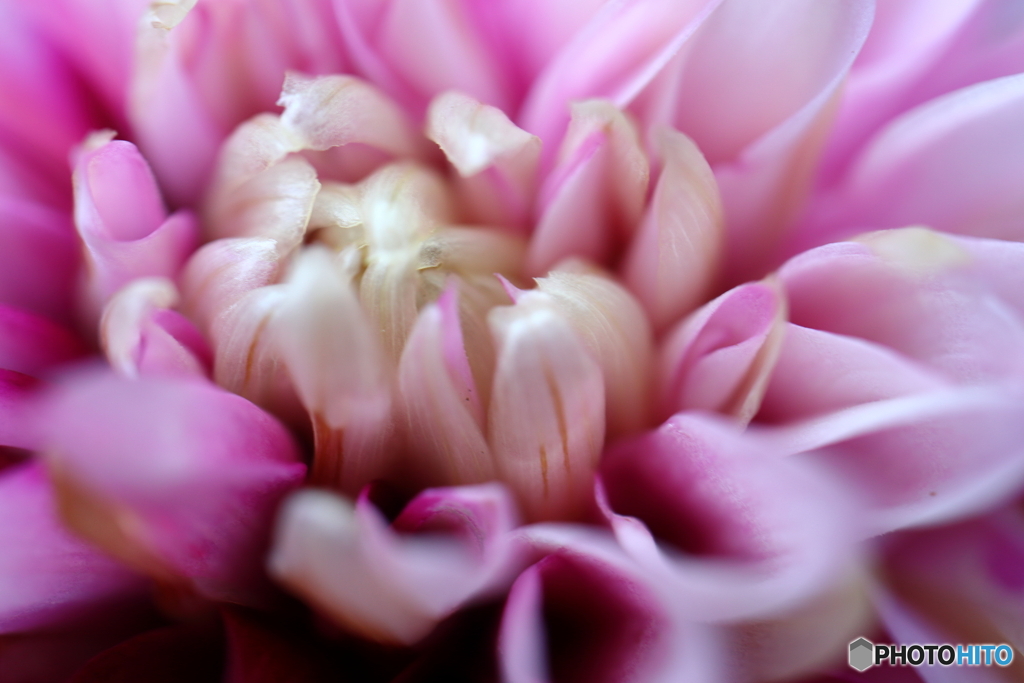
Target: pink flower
{"points": [[612, 334]]}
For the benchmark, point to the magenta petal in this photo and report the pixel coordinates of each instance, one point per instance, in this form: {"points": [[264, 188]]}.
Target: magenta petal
{"points": [[739, 531], [581, 614], [197, 508], [122, 221], [38, 258], [16, 391], [48, 576], [31, 344]]}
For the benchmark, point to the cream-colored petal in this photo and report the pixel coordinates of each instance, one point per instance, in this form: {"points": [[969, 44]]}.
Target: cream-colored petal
{"points": [[546, 421]]}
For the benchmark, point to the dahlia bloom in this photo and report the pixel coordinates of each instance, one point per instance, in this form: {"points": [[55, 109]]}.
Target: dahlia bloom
{"points": [[413, 340]]}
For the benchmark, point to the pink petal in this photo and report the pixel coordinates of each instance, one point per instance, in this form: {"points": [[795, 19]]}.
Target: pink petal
{"points": [[913, 291], [196, 509], [720, 358], [546, 418], [143, 335], [496, 160], [672, 261], [923, 458], [764, 155], [394, 584], [740, 532], [592, 201], [44, 111], [918, 51], [39, 259], [613, 57], [48, 576], [947, 164], [121, 219], [581, 614], [431, 46], [31, 344]]}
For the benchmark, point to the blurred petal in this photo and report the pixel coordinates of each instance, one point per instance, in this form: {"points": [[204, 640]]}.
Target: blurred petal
{"points": [[721, 357], [393, 584], [39, 258], [756, 91], [671, 263], [913, 291], [31, 344], [738, 531], [918, 51], [16, 392], [122, 221], [143, 335], [948, 164], [546, 419], [48, 576], [612, 57], [196, 509]]}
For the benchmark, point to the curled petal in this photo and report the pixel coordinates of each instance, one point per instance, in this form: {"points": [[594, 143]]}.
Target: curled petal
{"points": [[143, 335], [738, 531], [593, 199], [582, 611], [613, 327], [443, 408], [48, 575], [195, 510], [672, 261], [335, 360], [721, 357], [31, 344], [546, 418], [39, 258], [394, 584], [122, 221], [496, 160]]}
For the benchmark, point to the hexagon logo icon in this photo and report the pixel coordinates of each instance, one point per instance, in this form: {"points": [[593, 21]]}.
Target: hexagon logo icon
{"points": [[862, 654]]}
